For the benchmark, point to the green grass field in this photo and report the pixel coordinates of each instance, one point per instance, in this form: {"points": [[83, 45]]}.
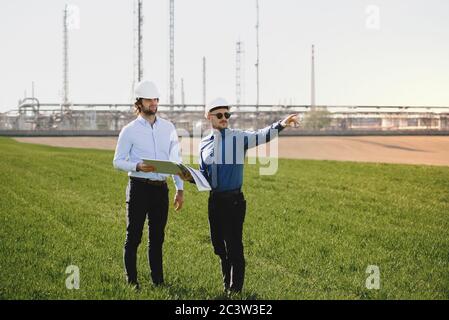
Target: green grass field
{"points": [[310, 231]]}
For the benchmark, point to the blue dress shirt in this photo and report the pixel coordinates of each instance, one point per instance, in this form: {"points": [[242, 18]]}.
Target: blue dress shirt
{"points": [[222, 154]]}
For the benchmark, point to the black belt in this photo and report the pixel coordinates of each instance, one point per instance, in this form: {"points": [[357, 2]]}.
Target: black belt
{"points": [[158, 183], [226, 193]]}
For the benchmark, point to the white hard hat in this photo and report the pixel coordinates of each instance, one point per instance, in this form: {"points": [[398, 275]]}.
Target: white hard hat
{"points": [[219, 102], [147, 90]]}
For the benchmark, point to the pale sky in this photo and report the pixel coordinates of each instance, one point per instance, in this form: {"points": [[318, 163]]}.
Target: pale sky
{"points": [[405, 61]]}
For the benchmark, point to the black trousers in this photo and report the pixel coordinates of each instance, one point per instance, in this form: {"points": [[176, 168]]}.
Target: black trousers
{"points": [[145, 201], [226, 217]]}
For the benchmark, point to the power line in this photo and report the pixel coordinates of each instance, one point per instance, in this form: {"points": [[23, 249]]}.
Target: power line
{"points": [[238, 72], [258, 54], [204, 81], [312, 86], [138, 44], [172, 52], [65, 59]]}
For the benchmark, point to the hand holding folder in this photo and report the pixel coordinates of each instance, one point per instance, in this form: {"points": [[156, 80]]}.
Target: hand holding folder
{"points": [[171, 167]]}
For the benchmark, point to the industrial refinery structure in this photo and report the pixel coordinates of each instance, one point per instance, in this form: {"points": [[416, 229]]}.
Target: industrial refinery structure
{"points": [[33, 117]]}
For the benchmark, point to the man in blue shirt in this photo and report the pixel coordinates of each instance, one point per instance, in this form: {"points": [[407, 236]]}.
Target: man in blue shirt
{"points": [[222, 156]]}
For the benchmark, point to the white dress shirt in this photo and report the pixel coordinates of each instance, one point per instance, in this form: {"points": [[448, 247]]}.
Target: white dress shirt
{"points": [[139, 140]]}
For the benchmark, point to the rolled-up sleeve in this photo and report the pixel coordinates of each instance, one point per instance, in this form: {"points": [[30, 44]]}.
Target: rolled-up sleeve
{"points": [[175, 155], [122, 150]]}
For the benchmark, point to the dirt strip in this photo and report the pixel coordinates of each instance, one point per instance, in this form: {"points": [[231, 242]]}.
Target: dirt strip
{"points": [[430, 150]]}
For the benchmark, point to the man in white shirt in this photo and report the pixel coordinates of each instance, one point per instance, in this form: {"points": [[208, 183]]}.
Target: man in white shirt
{"points": [[147, 137]]}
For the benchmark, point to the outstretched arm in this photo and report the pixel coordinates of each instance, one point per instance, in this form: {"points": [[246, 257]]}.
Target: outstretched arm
{"points": [[265, 135]]}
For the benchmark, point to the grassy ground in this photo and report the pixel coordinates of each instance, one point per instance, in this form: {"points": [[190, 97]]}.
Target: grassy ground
{"points": [[311, 230]]}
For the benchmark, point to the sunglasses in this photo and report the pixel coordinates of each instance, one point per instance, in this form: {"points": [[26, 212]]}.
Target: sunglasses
{"points": [[219, 116]]}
